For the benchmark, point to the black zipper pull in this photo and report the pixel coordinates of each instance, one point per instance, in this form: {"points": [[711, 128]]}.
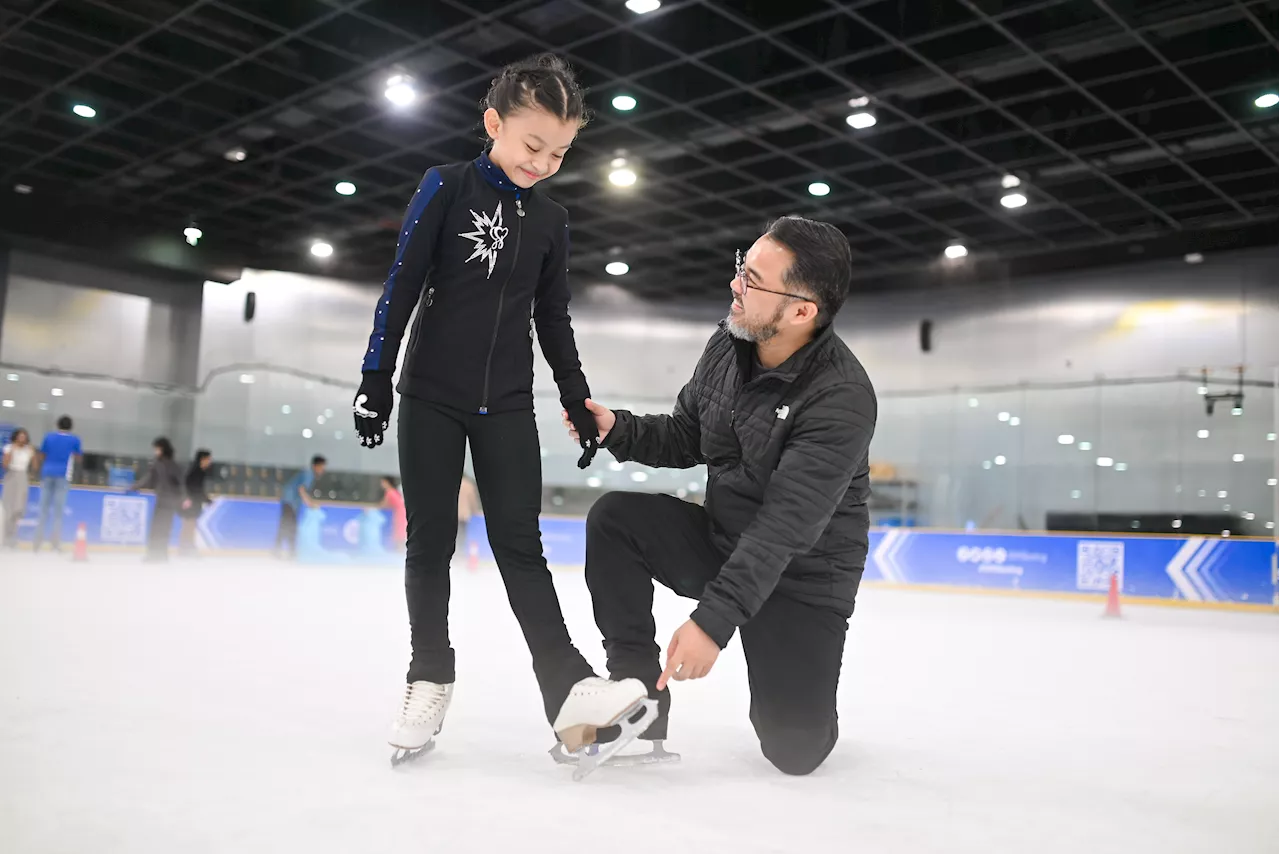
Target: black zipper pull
{"points": [[430, 297]]}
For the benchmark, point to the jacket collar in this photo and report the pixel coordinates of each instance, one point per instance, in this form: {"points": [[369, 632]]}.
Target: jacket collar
{"points": [[793, 367], [493, 173]]}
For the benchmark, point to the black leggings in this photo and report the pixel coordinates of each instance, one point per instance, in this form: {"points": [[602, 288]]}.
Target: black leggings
{"points": [[508, 469]]}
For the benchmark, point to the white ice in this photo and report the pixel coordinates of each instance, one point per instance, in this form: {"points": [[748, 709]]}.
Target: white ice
{"points": [[233, 707]]}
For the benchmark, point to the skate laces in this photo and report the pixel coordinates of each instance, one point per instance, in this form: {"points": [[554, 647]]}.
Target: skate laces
{"points": [[422, 699]]}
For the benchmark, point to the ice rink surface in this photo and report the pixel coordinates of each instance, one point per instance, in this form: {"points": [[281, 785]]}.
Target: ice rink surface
{"points": [[225, 706]]}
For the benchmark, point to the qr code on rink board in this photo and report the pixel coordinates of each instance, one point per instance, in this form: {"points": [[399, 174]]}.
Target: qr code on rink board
{"points": [[1097, 561], [124, 519]]}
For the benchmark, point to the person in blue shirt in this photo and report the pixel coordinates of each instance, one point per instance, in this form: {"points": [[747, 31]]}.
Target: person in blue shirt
{"points": [[296, 493], [59, 453]]}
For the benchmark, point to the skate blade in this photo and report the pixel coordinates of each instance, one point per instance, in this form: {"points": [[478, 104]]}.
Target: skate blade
{"points": [[407, 754], [657, 756], [632, 723]]}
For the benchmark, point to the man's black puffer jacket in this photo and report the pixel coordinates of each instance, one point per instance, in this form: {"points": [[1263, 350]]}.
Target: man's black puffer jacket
{"points": [[788, 478], [494, 260]]}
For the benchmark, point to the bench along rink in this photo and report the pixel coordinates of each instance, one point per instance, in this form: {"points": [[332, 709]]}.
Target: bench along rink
{"points": [[243, 706]]}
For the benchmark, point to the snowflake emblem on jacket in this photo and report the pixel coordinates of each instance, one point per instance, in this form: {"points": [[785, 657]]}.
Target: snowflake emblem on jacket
{"points": [[489, 237]]}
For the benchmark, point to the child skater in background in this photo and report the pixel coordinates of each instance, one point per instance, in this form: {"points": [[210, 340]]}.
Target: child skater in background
{"points": [[483, 256], [193, 504], [393, 500]]}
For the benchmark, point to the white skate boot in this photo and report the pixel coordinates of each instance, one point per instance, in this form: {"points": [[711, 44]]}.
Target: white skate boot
{"points": [[593, 704], [420, 720]]}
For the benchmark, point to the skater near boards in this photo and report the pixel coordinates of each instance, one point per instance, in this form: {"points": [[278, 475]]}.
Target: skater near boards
{"points": [[483, 255]]}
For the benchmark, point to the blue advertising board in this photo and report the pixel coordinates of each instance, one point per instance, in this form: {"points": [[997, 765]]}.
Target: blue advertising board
{"points": [[1194, 569]]}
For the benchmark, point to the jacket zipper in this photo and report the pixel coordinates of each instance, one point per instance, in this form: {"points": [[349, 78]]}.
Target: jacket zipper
{"points": [[502, 293]]}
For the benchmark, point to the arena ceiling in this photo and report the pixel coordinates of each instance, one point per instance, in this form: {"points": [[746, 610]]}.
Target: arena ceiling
{"points": [[1130, 127]]}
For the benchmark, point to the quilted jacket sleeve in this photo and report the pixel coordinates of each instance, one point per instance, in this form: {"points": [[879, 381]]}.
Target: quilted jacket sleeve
{"points": [[663, 441], [826, 448]]}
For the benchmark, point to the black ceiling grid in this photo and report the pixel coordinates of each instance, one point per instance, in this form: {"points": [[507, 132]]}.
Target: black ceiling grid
{"points": [[1131, 126]]}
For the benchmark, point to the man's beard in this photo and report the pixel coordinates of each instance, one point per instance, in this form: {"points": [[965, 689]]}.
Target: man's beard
{"points": [[758, 333]]}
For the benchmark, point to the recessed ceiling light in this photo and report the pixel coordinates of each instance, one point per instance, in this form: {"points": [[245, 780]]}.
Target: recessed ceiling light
{"points": [[617, 268], [84, 111], [644, 7], [1193, 258], [344, 188], [956, 250], [22, 189], [1010, 181], [96, 404], [639, 476], [1203, 434], [8, 404], [1106, 462], [594, 482], [819, 188], [13, 378], [1267, 101], [306, 433], [1237, 458], [56, 392], [861, 120], [624, 103], [400, 90], [320, 249], [236, 155], [973, 403], [1014, 421], [1000, 460], [1122, 466], [1085, 446], [1003, 416], [622, 177], [1066, 439], [192, 234], [861, 101], [247, 379], [1013, 200]]}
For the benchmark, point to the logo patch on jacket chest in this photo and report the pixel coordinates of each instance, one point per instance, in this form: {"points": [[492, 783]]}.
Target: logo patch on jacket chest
{"points": [[489, 237]]}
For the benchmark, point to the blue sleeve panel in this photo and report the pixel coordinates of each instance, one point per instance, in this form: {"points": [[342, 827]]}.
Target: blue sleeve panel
{"points": [[551, 317], [415, 255]]}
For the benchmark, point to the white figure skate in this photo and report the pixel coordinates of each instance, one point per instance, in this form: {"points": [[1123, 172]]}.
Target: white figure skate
{"points": [[593, 704], [421, 718]]}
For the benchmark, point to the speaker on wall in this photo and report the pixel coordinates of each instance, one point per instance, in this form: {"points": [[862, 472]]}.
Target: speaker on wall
{"points": [[926, 335], [250, 305]]}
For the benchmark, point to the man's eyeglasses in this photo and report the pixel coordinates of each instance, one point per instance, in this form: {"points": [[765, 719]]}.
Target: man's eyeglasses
{"points": [[740, 272]]}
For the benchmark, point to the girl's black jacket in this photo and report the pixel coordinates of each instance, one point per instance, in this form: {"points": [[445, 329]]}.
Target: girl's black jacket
{"points": [[487, 264]]}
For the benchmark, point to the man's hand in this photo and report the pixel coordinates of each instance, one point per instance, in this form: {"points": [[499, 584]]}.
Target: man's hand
{"points": [[604, 421], [690, 655]]}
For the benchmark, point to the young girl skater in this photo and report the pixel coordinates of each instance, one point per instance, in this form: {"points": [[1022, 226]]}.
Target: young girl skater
{"points": [[483, 255]]}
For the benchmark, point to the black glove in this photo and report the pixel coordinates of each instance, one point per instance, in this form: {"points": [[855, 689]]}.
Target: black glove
{"points": [[372, 407], [588, 432]]}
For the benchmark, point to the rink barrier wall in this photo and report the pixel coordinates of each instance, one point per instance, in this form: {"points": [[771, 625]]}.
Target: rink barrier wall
{"points": [[1235, 573]]}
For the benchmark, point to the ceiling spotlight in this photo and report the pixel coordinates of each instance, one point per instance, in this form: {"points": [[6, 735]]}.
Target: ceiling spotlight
{"points": [[96, 404], [859, 102], [1106, 462], [236, 155], [1193, 258], [8, 404], [1010, 181], [1003, 416], [1267, 101], [1014, 421], [13, 378], [247, 379], [56, 392], [400, 91], [320, 249], [594, 482], [622, 177], [1122, 466], [1013, 200], [617, 268], [1066, 439], [307, 433], [861, 120], [344, 188], [22, 189], [618, 162], [819, 188], [1085, 446], [84, 111], [192, 234], [625, 103], [1000, 460], [639, 476], [644, 7], [1203, 434], [956, 250], [1237, 458]]}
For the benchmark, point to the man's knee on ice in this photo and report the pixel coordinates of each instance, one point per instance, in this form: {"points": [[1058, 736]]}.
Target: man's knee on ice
{"points": [[797, 751]]}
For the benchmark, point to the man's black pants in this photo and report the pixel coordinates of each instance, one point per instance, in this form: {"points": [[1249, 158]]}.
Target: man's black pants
{"points": [[793, 649], [508, 469]]}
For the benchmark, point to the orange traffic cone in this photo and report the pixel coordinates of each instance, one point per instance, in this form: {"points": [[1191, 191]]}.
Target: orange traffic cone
{"points": [[81, 552], [473, 557], [1113, 598]]}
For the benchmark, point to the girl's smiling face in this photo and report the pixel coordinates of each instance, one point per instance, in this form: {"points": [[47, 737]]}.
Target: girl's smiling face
{"points": [[529, 144]]}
